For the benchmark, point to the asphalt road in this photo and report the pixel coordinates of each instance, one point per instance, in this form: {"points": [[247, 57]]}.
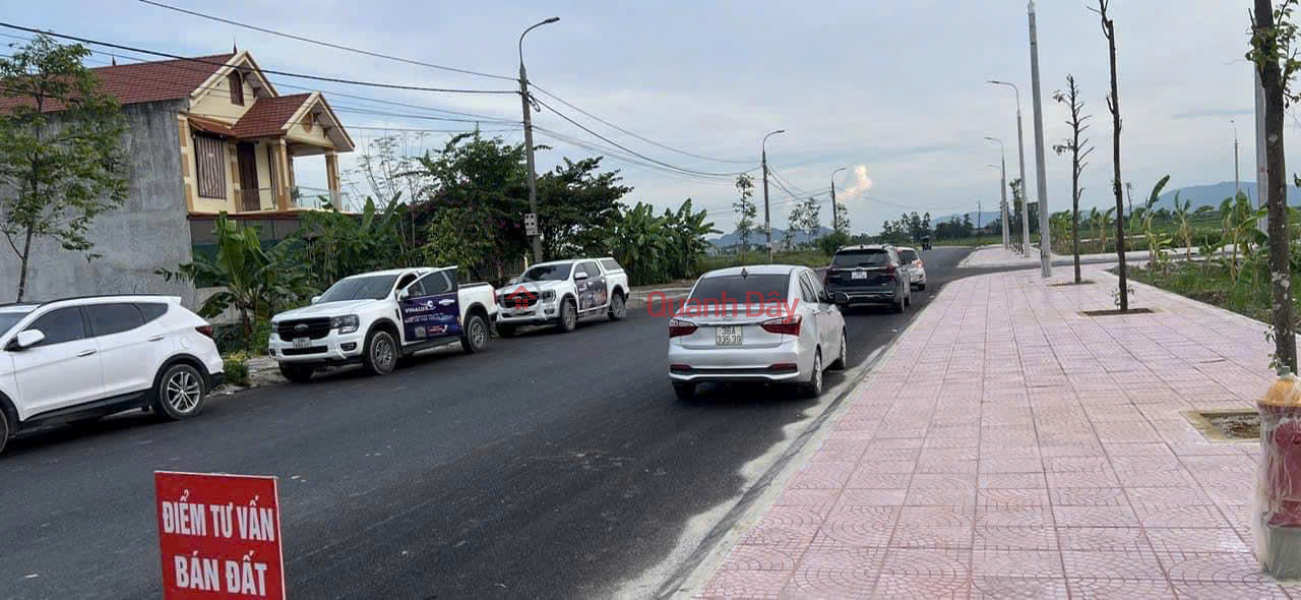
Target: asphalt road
{"points": [[549, 466]]}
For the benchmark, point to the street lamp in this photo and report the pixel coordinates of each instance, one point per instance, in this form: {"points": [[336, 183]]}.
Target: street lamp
{"points": [[1020, 152], [835, 219], [1002, 185], [767, 222], [528, 142]]}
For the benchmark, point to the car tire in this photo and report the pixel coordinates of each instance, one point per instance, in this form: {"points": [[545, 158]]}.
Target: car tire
{"points": [[618, 307], [506, 331], [908, 300], [685, 390], [568, 320], [842, 359], [813, 387], [6, 430], [380, 355], [475, 338], [179, 393], [296, 373], [899, 306]]}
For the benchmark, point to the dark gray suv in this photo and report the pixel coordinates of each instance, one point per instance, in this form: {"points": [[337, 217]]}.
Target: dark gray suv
{"points": [[871, 274]]}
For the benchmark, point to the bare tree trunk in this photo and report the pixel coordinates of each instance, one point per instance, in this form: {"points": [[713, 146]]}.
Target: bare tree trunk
{"points": [[1271, 78], [22, 269], [1113, 104]]}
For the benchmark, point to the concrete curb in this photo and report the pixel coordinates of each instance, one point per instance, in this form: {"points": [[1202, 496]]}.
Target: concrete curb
{"points": [[701, 564]]}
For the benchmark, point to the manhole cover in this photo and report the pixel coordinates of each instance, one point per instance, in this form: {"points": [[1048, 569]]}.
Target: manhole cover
{"points": [[1111, 312], [1226, 425]]}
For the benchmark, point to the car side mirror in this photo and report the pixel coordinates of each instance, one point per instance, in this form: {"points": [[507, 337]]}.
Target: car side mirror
{"points": [[579, 276], [404, 293], [316, 299], [26, 339], [824, 297]]}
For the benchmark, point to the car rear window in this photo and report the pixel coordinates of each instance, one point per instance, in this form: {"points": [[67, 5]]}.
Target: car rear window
{"points": [[849, 259], [610, 264], [723, 289], [907, 255]]}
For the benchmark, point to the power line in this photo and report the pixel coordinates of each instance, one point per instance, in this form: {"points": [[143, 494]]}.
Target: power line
{"points": [[634, 153], [326, 44], [394, 86], [626, 158], [616, 127]]}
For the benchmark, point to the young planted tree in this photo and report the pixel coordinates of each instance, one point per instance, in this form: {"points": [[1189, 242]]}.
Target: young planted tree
{"points": [[746, 211], [1273, 50], [1080, 149], [61, 143], [1113, 106], [1185, 227], [793, 225], [1018, 205], [811, 220], [842, 218]]}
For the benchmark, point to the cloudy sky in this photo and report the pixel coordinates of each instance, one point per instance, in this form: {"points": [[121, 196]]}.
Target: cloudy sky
{"points": [[893, 86]]}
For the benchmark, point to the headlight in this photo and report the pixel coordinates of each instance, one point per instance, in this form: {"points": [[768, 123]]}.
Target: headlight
{"points": [[548, 295], [345, 324]]}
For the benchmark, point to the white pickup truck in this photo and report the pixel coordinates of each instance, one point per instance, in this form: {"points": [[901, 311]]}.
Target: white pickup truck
{"points": [[561, 292], [377, 318]]}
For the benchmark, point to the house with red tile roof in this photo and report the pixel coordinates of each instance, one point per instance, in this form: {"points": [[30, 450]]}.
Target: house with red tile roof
{"points": [[208, 134]]}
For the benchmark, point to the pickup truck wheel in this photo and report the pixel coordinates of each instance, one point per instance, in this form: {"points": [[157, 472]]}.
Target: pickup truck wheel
{"points": [[180, 393], [685, 390], [297, 373], [381, 355], [476, 335], [618, 309], [568, 316]]}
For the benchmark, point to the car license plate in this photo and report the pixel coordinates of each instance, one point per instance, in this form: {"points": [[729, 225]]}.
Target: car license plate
{"points": [[727, 336], [858, 275], [300, 343]]}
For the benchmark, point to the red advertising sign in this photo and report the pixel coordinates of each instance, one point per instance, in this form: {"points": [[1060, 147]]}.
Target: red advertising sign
{"points": [[219, 536]]}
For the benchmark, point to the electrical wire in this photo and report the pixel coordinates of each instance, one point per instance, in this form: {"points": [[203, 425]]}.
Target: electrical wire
{"points": [[325, 44], [634, 153], [621, 129], [393, 86]]}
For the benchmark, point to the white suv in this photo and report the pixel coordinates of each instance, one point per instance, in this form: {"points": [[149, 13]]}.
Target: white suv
{"points": [[81, 359]]}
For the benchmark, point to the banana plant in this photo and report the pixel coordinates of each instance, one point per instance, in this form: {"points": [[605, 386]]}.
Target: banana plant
{"points": [[1185, 230]]}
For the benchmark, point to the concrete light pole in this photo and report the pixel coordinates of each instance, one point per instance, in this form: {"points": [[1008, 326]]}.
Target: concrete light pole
{"points": [[1020, 153], [528, 139], [1040, 171], [835, 219], [1002, 187], [767, 221], [1237, 179]]}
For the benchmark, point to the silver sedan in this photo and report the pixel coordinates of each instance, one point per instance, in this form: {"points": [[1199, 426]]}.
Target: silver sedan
{"points": [[765, 323]]}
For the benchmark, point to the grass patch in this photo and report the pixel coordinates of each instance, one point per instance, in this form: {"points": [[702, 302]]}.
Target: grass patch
{"points": [[1213, 284], [808, 258]]}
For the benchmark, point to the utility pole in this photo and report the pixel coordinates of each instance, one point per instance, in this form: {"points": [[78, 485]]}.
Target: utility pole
{"points": [[767, 220], [528, 143], [978, 215], [1237, 179], [1041, 179], [835, 219], [1002, 189]]}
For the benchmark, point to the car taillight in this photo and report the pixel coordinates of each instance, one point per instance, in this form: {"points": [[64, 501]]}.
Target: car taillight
{"points": [[204, 329], [826, 276], [889, 270], [783, 325], [679, 328]]}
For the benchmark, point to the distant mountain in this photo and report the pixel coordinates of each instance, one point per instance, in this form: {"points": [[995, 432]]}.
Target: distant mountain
{"points": [[1212, 194], [759, 237], [986, 217]]}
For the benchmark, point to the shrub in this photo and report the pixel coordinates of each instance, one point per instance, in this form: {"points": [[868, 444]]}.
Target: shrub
{"points": [[236, 368]]}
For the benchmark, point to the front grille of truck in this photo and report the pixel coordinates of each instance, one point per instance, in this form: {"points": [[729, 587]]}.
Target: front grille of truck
{"points": [[316, 328]]}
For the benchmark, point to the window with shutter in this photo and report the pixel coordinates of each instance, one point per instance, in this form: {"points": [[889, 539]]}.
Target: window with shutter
{"points": [[236, 85], [208, 159]]}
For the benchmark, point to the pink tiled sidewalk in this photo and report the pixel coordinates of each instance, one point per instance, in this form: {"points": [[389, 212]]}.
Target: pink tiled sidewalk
{"points": [[1010, 447]]}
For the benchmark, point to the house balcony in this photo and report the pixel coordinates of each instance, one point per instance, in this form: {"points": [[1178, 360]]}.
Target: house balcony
{"points": [[263, 200]]}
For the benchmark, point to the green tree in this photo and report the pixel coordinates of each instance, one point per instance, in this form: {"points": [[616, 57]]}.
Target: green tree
{"points": [[639, 241], [61, 150], [257, 283], [577, 206], [333, 245], [794, 222], [811, 220], [746, 211], [686, 229], [842, 219]]}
